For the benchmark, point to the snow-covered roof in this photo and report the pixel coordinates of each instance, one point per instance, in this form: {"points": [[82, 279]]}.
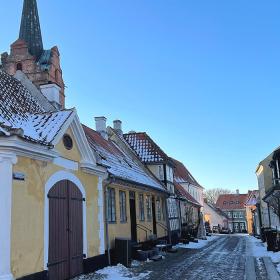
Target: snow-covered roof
{"points": [[146, 149], [183, 175], [23, 115], [181, 192], [119, 163], [253, 198]]}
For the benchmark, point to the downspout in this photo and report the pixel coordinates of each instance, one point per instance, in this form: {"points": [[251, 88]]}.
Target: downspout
{"points": [[109, 182]]}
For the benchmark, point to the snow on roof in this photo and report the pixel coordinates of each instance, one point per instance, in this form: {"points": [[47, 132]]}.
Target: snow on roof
{"points": [[180, 190], [21, 112], [183, 175], [253, 198], [147, 150], [118, 162]]}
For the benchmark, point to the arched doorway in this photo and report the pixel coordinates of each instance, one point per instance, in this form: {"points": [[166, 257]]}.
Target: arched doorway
{"points": [[65, 258]]}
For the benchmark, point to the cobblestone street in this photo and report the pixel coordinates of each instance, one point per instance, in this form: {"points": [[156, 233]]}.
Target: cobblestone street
{"points": [[223, 258]]}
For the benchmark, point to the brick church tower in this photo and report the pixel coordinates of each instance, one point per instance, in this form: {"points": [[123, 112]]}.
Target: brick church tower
{"points": [[28, 55]]}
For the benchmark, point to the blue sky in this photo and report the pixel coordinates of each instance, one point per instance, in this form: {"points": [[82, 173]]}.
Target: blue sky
{"points": [[201, 77]]}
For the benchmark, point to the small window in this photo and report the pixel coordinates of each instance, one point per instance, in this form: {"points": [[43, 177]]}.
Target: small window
{"points": [[19, 66], [163, 209], [123, 217], [149, 207], [111, 205], [57, 75], [158, 209], [141, 207], [68, 142], [225, 202]]}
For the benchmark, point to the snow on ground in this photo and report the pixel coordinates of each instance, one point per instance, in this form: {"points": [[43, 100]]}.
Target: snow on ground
{"points": [[200, 244], [258, 249], [118, 272]]}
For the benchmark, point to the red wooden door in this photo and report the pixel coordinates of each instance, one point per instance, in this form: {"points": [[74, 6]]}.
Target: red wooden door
{"points": [[65, 231]]}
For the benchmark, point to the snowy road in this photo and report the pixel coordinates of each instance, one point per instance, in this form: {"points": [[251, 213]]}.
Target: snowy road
{"points": [[221, 259]]}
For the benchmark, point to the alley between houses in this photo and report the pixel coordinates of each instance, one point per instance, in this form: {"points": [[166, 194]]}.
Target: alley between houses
{"points": [[223, 258]]}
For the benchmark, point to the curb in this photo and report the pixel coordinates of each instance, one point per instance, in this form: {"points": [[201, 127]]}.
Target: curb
{"points": [[270, 269]]}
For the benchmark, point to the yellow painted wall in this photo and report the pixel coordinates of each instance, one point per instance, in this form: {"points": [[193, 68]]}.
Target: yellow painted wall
{"points": [[249, 217], [74, 154], [123, 230], [27, 248]]}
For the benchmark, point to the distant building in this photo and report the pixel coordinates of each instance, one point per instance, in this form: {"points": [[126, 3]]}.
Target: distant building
{"points": [[234, 206], [215, 216]]}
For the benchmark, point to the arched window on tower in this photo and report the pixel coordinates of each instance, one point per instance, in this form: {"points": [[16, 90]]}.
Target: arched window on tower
{"points": [[57, 75], [19, 66]]}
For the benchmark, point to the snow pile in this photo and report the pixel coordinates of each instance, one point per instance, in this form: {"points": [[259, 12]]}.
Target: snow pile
{"points": [[199, 245], [118, 272], [258, 249]]}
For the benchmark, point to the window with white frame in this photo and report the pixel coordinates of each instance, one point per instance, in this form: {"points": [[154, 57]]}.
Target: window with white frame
{"points": [[111, 205], [158, 209], [240, 215], [141, 207], [123, 217], [235, 215], [163, 209], [149, 207]]}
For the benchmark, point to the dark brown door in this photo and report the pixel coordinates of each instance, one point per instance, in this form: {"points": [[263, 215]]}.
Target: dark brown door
{"points": [[65, 231], [133, 222], [154, 217]]}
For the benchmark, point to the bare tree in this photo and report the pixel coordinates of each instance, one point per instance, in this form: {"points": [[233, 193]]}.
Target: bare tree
{"points": [[212, 195]]}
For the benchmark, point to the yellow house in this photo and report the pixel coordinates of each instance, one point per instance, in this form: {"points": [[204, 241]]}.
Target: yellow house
{"points": [[51, 202], [135, 199]]}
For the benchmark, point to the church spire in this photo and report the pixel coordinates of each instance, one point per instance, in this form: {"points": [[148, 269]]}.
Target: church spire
{"points": [[30, 30]]}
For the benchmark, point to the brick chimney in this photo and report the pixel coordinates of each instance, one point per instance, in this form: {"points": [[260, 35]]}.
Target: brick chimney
{"points": [[101, 128]]}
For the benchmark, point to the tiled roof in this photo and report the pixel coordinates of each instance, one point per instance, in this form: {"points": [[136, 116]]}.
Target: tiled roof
{"points": [[119, 163], [183, 175], [231, 201], [253, 198], [21, 113], [146, 149], [181, 192]]}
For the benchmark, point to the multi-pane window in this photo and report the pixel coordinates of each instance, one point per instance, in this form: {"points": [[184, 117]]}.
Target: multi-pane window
{"points": [[163, 209], [158, 209], [235, 215], [240, 215], [149, 207], [111, 205], [123, 217], [229, 214], [141, 207]]}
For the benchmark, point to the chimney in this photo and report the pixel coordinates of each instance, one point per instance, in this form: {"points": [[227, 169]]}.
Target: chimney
{"points": [[52, 93], [118, 127], [237, 191], [100, 123]]}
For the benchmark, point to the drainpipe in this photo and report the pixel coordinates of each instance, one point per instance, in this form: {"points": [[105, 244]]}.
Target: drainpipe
{"points": [[109, 182]]}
